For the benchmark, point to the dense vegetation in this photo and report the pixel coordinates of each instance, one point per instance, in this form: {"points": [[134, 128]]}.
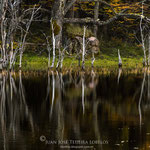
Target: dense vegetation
{"points": [[38, 27]]}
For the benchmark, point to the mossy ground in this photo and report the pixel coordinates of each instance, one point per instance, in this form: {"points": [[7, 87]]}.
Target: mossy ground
{"points": [[132, 57], [34, 62]]}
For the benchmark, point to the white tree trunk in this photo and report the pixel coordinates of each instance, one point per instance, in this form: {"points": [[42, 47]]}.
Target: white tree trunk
{"points": [[3, 35], [59, 59], [54, 44], [142, 38], [61, 62], [93, 59], [4, 5], [49, 51], [11, 55], [119, 59], [83, 49]]}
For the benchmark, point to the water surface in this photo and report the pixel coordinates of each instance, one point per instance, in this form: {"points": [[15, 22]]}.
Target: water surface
{"points": [[54, 110]]}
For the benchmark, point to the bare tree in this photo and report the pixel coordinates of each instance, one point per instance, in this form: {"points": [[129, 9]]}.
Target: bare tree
{"points": [[142, 38], [61, 58], [48, 50], [4, 6], [34, 12], [119, 59], [11, 24], [83, 49], [93, 59], [54, 43]]}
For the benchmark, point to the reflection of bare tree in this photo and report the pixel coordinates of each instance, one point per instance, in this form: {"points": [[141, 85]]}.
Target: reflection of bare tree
{"points": [[48, 86], [23, 104], [60, 114], [53, 92], [140, 99], [21, 88], [13, 107], [66, 112], [148, 93], [61, 81], [69, 97], [83, 93], [95, 123], [119, 74], [95, 110], [3, 109]]}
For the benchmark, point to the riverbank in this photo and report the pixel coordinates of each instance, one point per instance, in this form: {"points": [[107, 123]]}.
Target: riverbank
{"points": [[132, 57], [35, 62]]}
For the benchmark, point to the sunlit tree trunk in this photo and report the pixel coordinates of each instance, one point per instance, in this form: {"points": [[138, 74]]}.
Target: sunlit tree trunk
{"points": [[119, 59], [49, 51], [93, 59], [83, 49], [54, 43], [142, 38]]}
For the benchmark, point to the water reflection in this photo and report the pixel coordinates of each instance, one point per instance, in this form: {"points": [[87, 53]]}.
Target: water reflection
{"points": [[119, 74], [83, 89], [140, 99], [75, 106], [13, 108]]}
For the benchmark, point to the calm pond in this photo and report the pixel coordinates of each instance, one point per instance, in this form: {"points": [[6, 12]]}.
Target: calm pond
{"points": [[41, 110]]}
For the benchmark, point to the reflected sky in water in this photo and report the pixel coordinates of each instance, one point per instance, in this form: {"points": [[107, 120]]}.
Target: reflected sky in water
{"points": [[43, 110]]}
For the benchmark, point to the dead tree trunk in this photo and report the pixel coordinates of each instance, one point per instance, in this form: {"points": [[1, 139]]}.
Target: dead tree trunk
{"points": [[4, 5], [119, 59], [54, 44], [83, 49], [25, 35], [142, 38]]}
